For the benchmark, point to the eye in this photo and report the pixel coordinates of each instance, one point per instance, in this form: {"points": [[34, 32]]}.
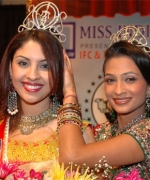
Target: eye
{"points": [[131, 79], [44, 66], [109, 80], [23, 63]]}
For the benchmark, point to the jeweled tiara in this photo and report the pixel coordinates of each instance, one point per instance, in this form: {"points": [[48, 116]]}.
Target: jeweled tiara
{"points": [[39, 18], [133, 35]]}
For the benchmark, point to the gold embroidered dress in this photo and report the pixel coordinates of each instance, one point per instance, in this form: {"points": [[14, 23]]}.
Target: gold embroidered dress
{"points": [[36, 155]]}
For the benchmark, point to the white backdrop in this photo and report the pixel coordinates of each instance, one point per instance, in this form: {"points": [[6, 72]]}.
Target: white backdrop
{"points": [[87, 40]]}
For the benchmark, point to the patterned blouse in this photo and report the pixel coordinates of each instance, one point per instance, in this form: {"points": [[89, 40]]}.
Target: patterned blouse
{"points": [[141, 133]]}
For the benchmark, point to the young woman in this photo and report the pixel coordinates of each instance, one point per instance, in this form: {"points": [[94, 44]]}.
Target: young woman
{"points": [[31, 74], [123, 147]]}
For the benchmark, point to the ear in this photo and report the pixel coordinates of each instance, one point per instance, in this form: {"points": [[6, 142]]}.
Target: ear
{"points": [[148, 89], [10, 69]]}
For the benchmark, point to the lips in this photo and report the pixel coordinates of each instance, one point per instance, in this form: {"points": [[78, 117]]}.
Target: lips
{"points": [[121, 101], [32, 87]]}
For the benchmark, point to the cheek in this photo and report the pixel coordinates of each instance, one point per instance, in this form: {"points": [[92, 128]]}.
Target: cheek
{"points": [[16, 75], [108, 90], [139, 89]]}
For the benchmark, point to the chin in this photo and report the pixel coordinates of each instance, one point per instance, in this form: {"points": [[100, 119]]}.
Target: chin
{"points": [[122, 111]]}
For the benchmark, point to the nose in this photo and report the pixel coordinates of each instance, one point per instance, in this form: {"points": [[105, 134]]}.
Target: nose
{"points": [[119, 88], [32, 73]]}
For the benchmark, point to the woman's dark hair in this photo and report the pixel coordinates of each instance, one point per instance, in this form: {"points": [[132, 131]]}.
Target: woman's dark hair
{"points": [[123, 48], [137, 54], [53, 52]]}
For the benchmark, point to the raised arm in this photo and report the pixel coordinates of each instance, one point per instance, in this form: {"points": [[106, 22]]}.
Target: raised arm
{"points": [[118, 151]]}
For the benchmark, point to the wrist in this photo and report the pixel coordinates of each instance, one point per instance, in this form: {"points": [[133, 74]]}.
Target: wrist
{"points": [[71, 98]]}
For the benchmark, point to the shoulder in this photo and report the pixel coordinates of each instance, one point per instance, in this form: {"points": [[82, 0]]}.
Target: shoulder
{"points": [[141, 127], [140, 132], [103, 131], [102, 127]]}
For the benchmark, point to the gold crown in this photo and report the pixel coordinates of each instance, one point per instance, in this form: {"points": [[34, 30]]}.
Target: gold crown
{"points": [[132, 35], [39, 18]]}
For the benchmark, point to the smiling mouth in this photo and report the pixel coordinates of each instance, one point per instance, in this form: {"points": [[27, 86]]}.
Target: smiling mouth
{"points": [[121, 100], [32, 88]]}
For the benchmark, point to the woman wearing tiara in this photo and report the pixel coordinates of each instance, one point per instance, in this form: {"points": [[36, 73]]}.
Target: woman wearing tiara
{"points": [[123, 147], [31, 74]]}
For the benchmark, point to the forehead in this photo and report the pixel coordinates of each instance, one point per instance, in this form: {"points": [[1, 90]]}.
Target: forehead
{"points": [[121, 65], [30, 48]]}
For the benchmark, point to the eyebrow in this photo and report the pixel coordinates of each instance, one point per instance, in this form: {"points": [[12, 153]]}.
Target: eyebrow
{"points": [[29, 59], [126, 73]]}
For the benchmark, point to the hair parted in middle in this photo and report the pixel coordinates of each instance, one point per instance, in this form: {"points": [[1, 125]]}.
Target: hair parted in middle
{"points": [[53, 52]]}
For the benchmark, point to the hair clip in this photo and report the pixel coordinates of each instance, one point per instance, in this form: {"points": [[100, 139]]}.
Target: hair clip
{"points": [[132, 35], [39, 18]]}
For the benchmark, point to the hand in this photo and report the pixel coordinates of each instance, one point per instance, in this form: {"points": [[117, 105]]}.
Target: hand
{"points": [[69, 89]]}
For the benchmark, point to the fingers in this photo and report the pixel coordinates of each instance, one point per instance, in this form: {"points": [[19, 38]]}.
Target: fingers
{"points": [[67, 62]]}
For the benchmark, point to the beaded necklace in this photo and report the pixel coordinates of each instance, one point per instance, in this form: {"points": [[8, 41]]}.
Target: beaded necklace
{"points": [[26, 126], [115, 128], [29, 123]]}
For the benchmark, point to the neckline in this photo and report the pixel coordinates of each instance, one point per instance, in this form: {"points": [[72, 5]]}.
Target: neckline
{"points": [[14, 140], [28, 124], [115, 128]]}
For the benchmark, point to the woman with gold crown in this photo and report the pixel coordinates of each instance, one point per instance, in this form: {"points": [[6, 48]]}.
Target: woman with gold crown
{"points": [[31, 86], [122, 150]]}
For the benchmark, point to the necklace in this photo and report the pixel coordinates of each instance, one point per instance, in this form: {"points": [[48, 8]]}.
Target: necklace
{"points": [[29, 123], [117, 131]]}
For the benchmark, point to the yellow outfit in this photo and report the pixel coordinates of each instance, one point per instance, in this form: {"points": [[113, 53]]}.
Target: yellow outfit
{"points": [[35, 155]]}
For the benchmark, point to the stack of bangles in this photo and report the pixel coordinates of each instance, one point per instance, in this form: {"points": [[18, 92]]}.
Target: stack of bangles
{"points": [[69, 114]]}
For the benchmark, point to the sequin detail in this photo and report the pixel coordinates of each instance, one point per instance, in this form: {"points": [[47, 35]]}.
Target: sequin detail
{"points": [[25, 152], [141, 133]]}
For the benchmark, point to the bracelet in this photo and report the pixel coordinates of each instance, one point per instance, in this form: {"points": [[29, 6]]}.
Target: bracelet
{"points": [[69, 114], [72, 121], [68, 107], [102, 167]]}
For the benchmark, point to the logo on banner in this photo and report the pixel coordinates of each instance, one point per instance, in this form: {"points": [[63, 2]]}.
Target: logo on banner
{"points": [[98, 103]]}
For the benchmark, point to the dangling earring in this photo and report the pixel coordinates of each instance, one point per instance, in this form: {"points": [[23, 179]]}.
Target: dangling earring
{"points": [[148, 105], [12, 100], [113, 116], [55, 107]]}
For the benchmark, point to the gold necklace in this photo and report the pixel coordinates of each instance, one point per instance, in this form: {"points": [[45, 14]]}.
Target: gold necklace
{"points": [[29, 123]]}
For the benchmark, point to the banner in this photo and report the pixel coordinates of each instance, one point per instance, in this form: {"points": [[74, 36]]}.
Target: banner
{"points": [[87, 40]]}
